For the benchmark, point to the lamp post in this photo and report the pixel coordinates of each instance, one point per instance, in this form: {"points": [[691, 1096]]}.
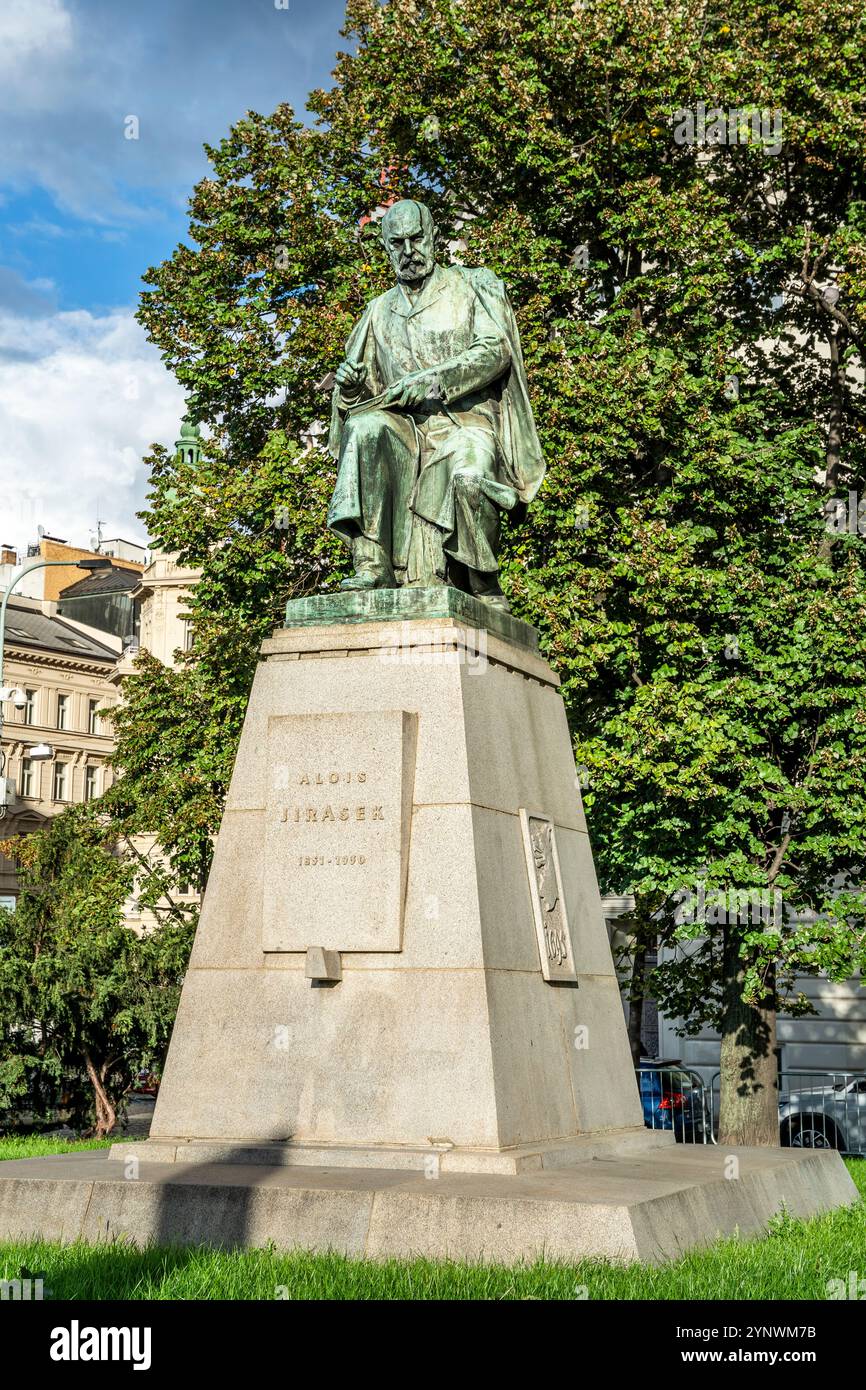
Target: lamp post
{"points": [[94, 564]]}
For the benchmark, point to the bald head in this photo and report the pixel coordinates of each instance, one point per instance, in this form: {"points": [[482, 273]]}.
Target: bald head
{"points": [[408, 233]]}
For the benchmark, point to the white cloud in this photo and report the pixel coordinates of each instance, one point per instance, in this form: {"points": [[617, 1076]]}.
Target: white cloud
{"points": [[37, 46], [30, 30], [82, 397], [72, 71]]}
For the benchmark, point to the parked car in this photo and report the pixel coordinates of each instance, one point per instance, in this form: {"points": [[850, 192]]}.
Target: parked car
{"points": [[674, 1098], [832, 1116], [147, 1083]]}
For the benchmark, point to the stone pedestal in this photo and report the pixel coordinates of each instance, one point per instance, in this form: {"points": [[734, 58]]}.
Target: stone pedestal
{"points": [[400, 1033], [404, 799]]}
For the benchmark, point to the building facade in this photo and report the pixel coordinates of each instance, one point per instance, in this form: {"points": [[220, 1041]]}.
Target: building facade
{"points": [[104, 600], [63, 670], [831, 1040], [49, 583], [162, 596], [70, 641]]}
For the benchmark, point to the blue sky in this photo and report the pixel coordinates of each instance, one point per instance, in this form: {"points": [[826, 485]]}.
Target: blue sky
{"points": [[85, 210]]}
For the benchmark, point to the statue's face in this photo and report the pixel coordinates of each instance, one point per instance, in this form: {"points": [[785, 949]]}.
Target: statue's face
{"points": [[409, 247]]}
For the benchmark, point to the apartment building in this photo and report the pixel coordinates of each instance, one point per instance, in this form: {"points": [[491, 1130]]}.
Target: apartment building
{"points": [[50, 582], [63, 671]]}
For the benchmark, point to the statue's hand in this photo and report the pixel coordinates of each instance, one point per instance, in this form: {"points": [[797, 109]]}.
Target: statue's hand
{"points": [[351, 377], [412, 390]]}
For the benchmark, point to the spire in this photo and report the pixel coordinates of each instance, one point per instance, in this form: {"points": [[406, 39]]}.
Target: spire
{"points": [[188, 446]]}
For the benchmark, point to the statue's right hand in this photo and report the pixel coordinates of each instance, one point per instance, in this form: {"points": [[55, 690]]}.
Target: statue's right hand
{"points": [[350, 374]]}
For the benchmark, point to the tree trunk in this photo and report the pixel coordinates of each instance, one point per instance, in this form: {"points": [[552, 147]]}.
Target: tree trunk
{"points": [[836, 344], [635, 1001], [749, 1083], [836, 420], [106, 1115]]}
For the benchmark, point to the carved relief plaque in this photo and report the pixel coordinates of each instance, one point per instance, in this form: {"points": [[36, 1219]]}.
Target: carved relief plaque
{"points": [[338, 818], [548, 899]]}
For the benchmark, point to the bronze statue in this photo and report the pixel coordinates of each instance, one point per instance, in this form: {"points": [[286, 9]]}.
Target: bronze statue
{"points": [[431, 423]]}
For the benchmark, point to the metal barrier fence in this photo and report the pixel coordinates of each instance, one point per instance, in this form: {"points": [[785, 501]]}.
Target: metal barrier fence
{"points": [[676, 1100], [817, 1109]]}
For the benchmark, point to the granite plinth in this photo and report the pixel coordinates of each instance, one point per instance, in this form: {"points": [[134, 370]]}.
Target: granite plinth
{"points": [[650, 1207], [442, 1030], [449, 1077]]}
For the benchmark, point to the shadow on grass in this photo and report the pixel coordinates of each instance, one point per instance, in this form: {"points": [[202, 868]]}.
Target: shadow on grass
{"points": [[109, 1270]]}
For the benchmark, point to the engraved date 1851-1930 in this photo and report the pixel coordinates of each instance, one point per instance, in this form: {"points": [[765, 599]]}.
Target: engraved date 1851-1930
{"points": [[308, 861]]}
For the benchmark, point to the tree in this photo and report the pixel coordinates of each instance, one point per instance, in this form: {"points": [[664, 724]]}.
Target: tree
{"points": [[84, 1001], [693, 316], [258, 527]]}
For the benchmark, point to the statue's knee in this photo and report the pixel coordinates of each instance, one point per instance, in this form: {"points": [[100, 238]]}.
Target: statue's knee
{"points": [[368, 424]]}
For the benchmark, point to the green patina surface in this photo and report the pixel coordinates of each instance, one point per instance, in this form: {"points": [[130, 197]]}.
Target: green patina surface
{"points": [[407, 605], [431, 423]]}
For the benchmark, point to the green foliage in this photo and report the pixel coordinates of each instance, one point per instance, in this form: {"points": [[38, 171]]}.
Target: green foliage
{"points": [[84, 1001], [258, 528], [707, 625]]}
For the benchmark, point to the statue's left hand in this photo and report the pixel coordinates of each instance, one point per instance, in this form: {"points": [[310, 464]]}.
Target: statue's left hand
{"points": [[412, 390], [350, 377]]}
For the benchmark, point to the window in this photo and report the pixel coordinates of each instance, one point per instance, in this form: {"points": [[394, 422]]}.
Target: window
{"points": [[61, 781], [63, 711], [93, 721], [188, 635], [91, 783], [29, 711], [28, 777]]}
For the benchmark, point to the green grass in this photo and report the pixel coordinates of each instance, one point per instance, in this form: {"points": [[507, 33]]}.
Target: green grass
{"points": [[794, 1260], [40, 1145]]}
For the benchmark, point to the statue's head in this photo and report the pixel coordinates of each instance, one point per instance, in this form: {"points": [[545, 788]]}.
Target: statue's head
{"points": [[409, 234]]}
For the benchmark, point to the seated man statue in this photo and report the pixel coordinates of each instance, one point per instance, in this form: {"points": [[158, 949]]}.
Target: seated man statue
{"points": [[431, 423]]}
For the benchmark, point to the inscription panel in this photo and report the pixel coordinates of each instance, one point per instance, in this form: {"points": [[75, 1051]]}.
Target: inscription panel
{"points": [[548, 899], [338, 818]]}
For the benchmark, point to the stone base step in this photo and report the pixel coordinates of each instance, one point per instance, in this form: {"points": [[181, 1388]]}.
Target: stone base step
{"points": [[429, 1159], [651, 1207]]}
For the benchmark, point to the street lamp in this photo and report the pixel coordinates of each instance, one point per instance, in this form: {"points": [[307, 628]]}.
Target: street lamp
{"points": [[6, 693]]}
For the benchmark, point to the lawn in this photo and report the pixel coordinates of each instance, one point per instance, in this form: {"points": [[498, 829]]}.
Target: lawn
{"points": [[40, 1145], [794, 1260]]}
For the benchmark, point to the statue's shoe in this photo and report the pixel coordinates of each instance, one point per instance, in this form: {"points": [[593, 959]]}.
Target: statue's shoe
{"points": [[368, 579]]}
